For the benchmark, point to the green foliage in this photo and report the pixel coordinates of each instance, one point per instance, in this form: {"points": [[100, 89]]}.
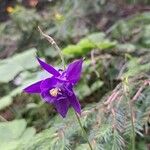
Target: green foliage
{"points": [[14, 133], [8, 99], [85, 45], [136, 29], [102, 125], [117, 62], [83, 89], [11, 67], [22, 22], [135, 67]]}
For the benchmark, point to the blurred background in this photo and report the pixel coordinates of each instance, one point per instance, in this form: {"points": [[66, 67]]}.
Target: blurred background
{"points": [[114, 38]]}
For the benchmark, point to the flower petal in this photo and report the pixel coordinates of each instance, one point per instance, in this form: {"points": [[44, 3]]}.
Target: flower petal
{"points": [[68, 89], [46, 96], [73, 71], [62, 106], [33, 88], [48, 67], [75, 103], [48, 83]]}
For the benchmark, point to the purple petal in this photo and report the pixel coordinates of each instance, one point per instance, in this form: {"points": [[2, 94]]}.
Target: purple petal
{"points": [[48, 67], [68, 89], [75, 103], [46, 96], [62, 106], [73, 71], [48, 83], [34, 88]]}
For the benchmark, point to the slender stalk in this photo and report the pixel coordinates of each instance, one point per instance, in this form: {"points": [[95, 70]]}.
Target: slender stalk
{"points": [[51, 41], [83, 130], [131, 115]]}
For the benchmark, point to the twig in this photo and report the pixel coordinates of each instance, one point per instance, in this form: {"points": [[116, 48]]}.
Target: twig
{"points": [[131, 112], [138, 93]]}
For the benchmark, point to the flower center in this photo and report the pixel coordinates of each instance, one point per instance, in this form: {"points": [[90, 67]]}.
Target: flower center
{"points": [[54, 92]]}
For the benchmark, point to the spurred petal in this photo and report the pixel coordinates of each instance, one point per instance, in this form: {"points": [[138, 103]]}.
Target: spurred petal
{"points": [[73, 71], [34, 88], [75, 103], [48, 67], [62, 106]]}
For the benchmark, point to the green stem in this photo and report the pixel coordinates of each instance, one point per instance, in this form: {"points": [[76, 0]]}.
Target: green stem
{"points": [[83, 130], [60, 54], [53, 43]]}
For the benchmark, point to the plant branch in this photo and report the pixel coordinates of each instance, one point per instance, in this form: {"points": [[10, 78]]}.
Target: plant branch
{"points": [[131, 112]]}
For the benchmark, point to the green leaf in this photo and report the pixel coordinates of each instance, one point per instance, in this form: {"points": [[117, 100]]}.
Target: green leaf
{"points": [[5, 101], [27, 59], [10, 67], [14, 133], [28, 134], [72, 50], [106, 44], [11, 130], [83, 90], [11, 145], [85, 45], [8, 71], [96, 85]]}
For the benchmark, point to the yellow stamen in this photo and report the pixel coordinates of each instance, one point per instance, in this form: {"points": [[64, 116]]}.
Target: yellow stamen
{"points": [[54, 92]]}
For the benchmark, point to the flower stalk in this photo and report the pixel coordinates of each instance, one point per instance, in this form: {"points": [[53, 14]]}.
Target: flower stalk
{"points": [[53, 43], [83, 131]]}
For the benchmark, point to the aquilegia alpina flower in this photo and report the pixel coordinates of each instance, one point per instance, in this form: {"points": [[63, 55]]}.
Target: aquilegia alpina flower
{"points": [[58, 88]]}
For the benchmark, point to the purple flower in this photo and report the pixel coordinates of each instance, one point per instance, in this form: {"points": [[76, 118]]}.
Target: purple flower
{"points": [[58, 88]]}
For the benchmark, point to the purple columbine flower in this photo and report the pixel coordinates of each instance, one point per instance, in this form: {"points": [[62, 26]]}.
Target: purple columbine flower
{"points": [[58, 88]]}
